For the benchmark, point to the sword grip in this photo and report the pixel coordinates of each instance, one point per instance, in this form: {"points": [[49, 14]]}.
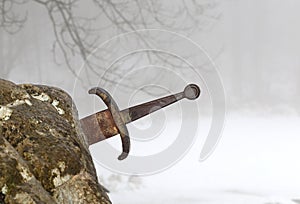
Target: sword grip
{"points": [[128, 115]]}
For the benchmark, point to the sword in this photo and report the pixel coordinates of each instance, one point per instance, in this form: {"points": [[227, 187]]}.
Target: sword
{"points": [[112, 121]]}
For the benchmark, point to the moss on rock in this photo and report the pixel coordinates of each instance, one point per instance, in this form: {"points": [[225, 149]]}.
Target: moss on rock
{"points": [[49, 148]]}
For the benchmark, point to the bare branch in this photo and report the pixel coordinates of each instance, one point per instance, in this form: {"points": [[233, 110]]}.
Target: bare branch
{"points": [[78, 36], [10, 21]]}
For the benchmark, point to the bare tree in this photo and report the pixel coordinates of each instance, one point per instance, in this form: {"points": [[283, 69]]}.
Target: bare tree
{"points": [[78, 35], [8, 55]]}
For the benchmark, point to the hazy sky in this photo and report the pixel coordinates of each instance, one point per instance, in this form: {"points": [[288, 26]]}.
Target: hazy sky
{"points": [[255, 45]]}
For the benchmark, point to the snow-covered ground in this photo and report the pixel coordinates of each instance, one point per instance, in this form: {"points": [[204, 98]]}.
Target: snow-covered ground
{"points": [[256, 162]]}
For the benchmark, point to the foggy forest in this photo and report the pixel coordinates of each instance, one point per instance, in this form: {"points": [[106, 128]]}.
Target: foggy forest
{"points": [[248, 69]]}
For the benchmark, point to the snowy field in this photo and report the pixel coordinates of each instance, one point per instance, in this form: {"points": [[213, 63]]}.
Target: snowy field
{"points": [[256, 162]]}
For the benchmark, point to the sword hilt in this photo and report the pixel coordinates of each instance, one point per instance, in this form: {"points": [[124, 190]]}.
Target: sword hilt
{"points": [[121, 118], [128, 115], [115, 113]]}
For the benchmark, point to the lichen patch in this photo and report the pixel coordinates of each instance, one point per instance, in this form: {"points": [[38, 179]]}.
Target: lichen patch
{"points": [[58, 179], [41, 97], [15, 103], [4, 189], [26, 96], [19, 102], [55, 104], [23, 198], [5, 112], [40, 133], [62, 166], [28, 102], [26, 175]]}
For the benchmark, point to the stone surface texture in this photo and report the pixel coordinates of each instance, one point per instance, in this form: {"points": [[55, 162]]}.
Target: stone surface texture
{"points": [[44, 156]]}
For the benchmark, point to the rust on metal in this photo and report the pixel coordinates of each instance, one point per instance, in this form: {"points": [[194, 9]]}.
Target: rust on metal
{"points": [[191, 92], [112, 121], [115, 113], [99, 126]]}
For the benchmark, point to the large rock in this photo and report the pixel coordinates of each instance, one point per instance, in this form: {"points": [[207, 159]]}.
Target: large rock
{"points": [[44, 157]]}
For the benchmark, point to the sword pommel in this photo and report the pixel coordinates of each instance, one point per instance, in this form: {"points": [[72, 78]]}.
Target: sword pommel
{"points": [[191, 91]]}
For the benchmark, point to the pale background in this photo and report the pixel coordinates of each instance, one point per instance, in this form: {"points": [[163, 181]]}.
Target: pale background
{"points": [[255, 45]]}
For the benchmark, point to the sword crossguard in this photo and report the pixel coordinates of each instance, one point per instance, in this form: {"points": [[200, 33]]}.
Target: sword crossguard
{"points": [[113, 121], [115, 112]]}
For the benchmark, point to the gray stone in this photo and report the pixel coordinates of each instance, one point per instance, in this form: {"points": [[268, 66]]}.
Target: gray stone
{"points": [[44, 156]]}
